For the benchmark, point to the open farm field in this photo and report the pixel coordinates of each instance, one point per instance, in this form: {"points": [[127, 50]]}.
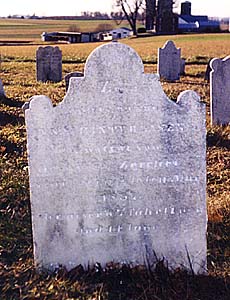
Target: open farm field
{"points": [[197, 49], [18, 277], [31, 30]]}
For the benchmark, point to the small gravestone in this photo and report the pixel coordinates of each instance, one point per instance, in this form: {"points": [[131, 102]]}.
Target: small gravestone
{"points": [[220, 91], [49, 64], [208, 71], [182, 66], [2, 92], [117, 170], [169, 62], [69, 76]]}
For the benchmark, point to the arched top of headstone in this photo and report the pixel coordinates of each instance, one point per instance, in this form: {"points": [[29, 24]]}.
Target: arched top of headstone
{"points": [[217, 63], [220, 91], [48, 49], [170, 46], [169, 61], [114, 61]]}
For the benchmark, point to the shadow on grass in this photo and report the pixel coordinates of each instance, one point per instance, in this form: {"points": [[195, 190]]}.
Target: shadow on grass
{"points": [[10, 102], [8, 147], [111, 283], [217, 140], [6, 118]]}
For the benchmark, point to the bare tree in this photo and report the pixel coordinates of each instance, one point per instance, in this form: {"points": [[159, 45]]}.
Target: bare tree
{"points": [[131, 9]]}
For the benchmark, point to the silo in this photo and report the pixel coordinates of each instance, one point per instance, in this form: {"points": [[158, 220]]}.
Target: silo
{"points": [[186, 8]]}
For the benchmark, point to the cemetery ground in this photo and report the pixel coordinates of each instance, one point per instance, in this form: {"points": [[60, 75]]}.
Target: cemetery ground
{"points": [[18, 277]]}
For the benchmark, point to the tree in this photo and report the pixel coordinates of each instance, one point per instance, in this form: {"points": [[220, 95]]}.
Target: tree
{"points": [[154, 9], [131, 9]]}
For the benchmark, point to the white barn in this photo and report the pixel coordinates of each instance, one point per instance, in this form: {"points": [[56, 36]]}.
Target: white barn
{"points": [[121, 33]]}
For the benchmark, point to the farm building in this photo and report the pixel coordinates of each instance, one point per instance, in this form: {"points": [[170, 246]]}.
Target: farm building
{"points": [[105, 36], [121, 33], [71, 37], [189, 23], [160, 16]]}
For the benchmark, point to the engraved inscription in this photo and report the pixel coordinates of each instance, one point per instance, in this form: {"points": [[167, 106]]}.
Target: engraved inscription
{"points": [[125, 129], [119, 129], [150, 165], [121, 212]]}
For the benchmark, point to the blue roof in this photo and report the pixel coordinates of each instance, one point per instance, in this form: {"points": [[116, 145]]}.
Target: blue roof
{"points": [[193, 19]]}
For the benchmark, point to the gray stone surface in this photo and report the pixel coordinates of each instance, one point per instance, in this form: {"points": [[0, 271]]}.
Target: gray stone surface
{"points": [[117, 170], [49, 64], [69, 76], [169, 62], [2, 92], [220, 91]]}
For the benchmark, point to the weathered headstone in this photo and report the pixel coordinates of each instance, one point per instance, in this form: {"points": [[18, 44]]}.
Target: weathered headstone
{"points": [[220, 91], [2, 92], [49, 64], [70, 75], [169, 62], [117, 170]]}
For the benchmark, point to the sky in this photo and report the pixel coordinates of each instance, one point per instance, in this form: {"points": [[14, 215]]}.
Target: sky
{"points": [[212, 8]]}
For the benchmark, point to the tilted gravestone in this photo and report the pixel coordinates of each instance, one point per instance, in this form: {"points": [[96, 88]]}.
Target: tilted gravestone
{"points": [[49, 64], [117, 170], [2, 92], [220, 91], [169, 64], [69, 76]]}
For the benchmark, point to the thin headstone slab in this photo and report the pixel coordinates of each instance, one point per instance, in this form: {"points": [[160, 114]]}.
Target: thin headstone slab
{"points": [[49, 64], [2, 92], [117, 170], [220, 91], [182, 66], [208, 71], [169, 62], [69, 76]]}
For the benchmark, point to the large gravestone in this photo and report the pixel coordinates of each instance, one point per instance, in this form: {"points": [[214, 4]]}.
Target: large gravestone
{"points": [[69, 76], [169, 62], [117, 170], [49, 64], [220, 91]]}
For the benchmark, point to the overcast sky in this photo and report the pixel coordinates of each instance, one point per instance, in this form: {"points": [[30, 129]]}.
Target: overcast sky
{"points": [[212, 8]]}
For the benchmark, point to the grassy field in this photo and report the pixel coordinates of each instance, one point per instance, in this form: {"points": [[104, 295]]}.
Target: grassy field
{"points": [[18, 278], [31, 30]]}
